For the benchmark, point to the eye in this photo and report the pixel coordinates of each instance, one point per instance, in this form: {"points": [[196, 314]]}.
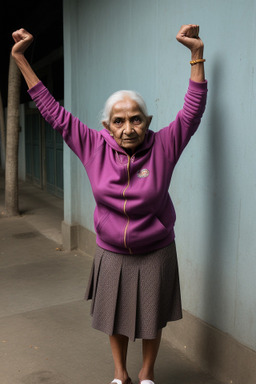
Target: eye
{"points": [[136, 120], [118, 121]]}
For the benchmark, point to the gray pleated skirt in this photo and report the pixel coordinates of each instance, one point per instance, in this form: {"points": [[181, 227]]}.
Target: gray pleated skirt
{"points": [[134, 295]]}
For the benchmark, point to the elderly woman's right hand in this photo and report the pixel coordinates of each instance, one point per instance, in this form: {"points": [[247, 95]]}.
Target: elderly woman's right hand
{"points": [[22, 39]]}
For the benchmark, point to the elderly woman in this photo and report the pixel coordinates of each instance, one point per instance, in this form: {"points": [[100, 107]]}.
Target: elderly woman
{"points": [[134, 283]]}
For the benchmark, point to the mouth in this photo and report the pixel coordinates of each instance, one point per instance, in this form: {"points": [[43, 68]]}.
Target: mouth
{"points": [[130, 139]]}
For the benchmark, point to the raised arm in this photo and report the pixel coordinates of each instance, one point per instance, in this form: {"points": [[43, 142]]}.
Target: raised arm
{"points": [[82, 140], [188, 35], [22, 40]]}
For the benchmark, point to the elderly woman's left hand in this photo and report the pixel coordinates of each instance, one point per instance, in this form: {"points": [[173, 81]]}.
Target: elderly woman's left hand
{"points": [[188, 35]]}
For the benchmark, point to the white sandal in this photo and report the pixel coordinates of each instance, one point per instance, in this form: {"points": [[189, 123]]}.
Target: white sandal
{"points": [[117, 381]]}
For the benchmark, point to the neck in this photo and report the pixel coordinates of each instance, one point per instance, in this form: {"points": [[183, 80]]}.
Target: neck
{"points": [[129, 152]]}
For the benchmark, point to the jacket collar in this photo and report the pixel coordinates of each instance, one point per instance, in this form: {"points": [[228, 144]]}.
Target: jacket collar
{"points": [[147, 143]]}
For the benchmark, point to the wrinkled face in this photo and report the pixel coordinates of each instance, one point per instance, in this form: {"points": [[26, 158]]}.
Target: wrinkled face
{"points": [[128, 125]]}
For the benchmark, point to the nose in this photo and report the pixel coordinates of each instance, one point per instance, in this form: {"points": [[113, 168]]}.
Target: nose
{"points": [[128, 128]]}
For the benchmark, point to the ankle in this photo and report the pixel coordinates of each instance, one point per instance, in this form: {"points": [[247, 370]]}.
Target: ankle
{"points": [[121, 374], [146, 374]]}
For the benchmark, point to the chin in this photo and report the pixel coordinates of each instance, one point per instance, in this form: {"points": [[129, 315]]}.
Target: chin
{"points": [[131, 147]]}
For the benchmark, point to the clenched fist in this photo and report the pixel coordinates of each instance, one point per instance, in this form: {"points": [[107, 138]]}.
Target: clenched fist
{"points": [[22, 39], [188, 35]]}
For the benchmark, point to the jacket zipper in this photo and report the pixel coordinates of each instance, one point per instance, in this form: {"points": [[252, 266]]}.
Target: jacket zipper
{"points": [[125, 202]]}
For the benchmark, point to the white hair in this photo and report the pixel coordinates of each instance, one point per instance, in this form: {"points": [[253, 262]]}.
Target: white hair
{"points": [[119, 96]]}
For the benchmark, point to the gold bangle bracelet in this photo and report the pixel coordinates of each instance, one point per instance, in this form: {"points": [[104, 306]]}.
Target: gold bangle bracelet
{"points": [[193, 62]]}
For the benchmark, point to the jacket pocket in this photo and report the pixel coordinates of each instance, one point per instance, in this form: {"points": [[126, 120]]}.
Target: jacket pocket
{"points": [[109, 226], [147, 231], [100, 218]]}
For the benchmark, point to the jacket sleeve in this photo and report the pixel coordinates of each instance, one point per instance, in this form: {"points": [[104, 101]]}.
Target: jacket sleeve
{"points": [[176, 136], [77, 135]]}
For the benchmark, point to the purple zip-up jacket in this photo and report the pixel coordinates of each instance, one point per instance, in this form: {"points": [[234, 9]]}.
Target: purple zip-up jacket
{"points": [[134, 212]]}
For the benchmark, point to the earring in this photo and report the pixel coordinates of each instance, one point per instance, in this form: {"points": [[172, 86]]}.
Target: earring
{"points": [[111, 134]]}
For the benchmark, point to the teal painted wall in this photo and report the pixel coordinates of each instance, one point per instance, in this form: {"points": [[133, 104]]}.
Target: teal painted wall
{"points": [[130, 44]]}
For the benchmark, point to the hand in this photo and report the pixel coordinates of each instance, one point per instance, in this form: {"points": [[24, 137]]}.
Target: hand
{"points": [[22, 39], [188, 35]]}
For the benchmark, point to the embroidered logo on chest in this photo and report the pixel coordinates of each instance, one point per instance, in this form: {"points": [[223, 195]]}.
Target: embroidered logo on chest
{"points": [[143, 173]]}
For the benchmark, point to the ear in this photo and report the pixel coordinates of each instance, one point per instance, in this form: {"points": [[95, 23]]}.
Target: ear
{"points": [[105, 125], [149, 119]]}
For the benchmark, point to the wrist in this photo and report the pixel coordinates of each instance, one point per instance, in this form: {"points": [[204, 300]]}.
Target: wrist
{"points": [[197, 54], [18, 56]]}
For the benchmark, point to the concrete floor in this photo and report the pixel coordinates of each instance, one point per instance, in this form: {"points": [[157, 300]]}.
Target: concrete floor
{"points": [[45, 325]]}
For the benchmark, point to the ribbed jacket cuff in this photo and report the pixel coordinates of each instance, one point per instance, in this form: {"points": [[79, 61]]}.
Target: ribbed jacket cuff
{"points": [[36, 89], [194, 86]]}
